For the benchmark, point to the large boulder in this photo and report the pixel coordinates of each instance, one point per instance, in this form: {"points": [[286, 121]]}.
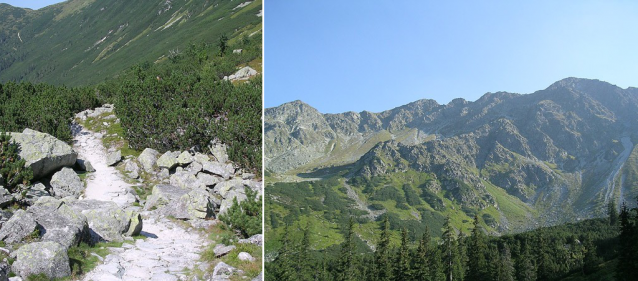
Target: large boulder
{"points": [[228, 200], [48, 258], [147, 159], [107, 221], [208, 180], [185, 180], [21, 225], [185, 158], [168, 160], [43, 153], [220, 169], [132, 168], [197, 205], [113, 158], [66, 183], [219, 152], [84, 165], [162, 194], [59, 223], [224, 187]]}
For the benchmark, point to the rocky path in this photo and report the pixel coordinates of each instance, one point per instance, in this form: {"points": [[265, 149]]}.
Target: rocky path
{"points": [[169, 250]]}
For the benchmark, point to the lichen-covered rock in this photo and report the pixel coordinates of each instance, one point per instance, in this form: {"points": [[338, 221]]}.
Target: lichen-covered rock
{"points": [[19, 226], [48, 258], [162, 194], [196, 204], [147, 159], [219, 152], [194, 168], [84, 165], [185, 180], [201, 158], [135, 225], [220, 169], [221, 250], [132, 168], [184, 158], [168, 160], [243, 256], [257, 239], [43, 153], [59, 223], [113, 158], [66, 183], [228, 199], [224, 187], [107, 221], [208, 180]]}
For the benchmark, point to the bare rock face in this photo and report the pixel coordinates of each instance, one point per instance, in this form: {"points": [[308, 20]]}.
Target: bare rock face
{"points": [[43, 153], [48, 258]]}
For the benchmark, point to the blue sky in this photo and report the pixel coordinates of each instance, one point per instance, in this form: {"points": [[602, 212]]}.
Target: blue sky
{"points": [[33, 4], [375, 55]]}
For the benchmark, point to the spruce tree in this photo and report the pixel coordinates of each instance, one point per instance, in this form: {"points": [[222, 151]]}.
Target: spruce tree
{"points": [[506, 269], [525, 270], [612, 211], [402, 263], [421, 259], [306, 271], [286, 261], [382, 259], [477, 250], [437, 269], [591, 259], [626, 267], [346, 270], [450, 256]]}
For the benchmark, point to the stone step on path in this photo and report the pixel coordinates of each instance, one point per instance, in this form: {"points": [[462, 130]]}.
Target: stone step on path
{"points": [[169, 250]]}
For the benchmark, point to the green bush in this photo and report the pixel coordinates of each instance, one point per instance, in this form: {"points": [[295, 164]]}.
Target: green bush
{"points": [[12, 167], [245, 217]]}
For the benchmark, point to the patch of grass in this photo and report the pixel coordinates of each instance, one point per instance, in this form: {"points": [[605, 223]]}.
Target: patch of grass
{"points": [[250, 268], [82, 260]]}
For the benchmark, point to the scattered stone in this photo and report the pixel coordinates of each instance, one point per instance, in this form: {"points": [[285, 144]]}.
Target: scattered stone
{"points": [[6, 198], [247, 176], [237, 51], [163, 174], [196, 204], [21, 225], [201, 158], [224, 187], [148, 158], [208, 180], [34, 193], [242, 74], [219, 151], [43, 153], [107, 221], [184, 158], [162, 194], [168, 160], [194, 168], [257, 239], [185, 180], [243, 256], [223, 170], [59, 223], [48, 258], [66, 183], [113, 158], [84, 165], [132, 168], [221, 250], [224, 271]]}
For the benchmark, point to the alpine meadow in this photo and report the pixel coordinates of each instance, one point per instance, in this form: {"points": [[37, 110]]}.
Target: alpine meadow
{"points": [[131, 140]]}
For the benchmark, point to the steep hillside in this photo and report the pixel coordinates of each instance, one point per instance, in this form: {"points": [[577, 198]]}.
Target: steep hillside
{"points": [[80, 42], [519, 161]]}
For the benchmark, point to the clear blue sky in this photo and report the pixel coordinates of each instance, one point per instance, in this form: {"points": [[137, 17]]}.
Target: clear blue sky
{"points": [[376, 55], [33, 4]]}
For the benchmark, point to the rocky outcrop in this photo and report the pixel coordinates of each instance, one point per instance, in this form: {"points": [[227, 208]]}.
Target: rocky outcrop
{"points": [[66, 183], [43, 153], [48, 258], [243, 74]]}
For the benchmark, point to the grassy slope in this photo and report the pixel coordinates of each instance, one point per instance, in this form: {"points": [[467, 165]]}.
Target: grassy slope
{"points": [[60, 43]]}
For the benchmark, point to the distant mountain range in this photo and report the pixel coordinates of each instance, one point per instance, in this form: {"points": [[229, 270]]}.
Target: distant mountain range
{"points": [[80, 42], [557, 155]]}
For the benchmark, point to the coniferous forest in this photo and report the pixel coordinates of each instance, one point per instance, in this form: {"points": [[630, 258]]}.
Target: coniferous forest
{"points": [[594, 249], [177, 104]]}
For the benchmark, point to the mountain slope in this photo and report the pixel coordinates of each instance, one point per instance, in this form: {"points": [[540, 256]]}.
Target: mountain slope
{"points": [[557, 155], [81, 42]]}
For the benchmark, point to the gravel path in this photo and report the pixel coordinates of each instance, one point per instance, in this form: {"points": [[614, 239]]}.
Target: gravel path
{"points": [[168, 251]]}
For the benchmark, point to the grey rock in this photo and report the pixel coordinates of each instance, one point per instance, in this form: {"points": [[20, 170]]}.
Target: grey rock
{"points": [[6, 198], [66, 183], [201, 158], [224, 271], [4, 270], [247, 176], [194, 168], [1, 180], [48, 258], [185, 180], [168, 160], [257, 239], [59, 223], [224, 187], [220, 169], [221, 250], [132, 168], [243, 256], [184, 158], [147, 158], [242, 74], [208, 180], [34, 193], [84, 165], [113, 158], [107, 221], [163, 174], [162, 194], [219, 152], [196, 204], [43, 152], [18, 227], [229, 199]]}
